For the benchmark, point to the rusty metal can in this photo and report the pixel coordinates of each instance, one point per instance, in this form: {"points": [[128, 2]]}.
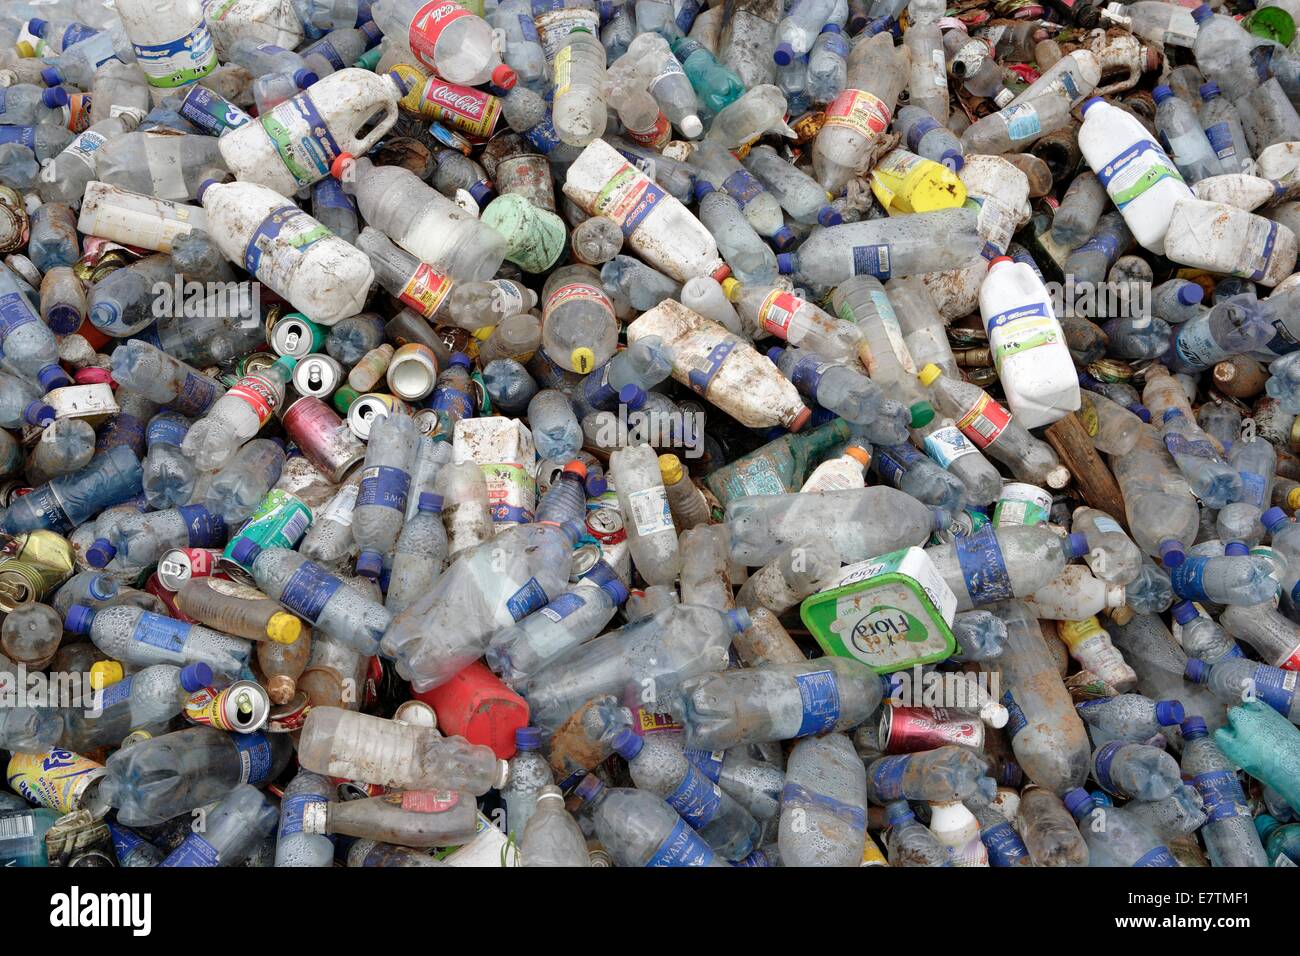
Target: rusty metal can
{"points": [[242, 707], [288, 717], [529, 175], [356, 789], [14, 223], [179, 565], [412, 371], [317, 374], [323, 438], [905, 730]]}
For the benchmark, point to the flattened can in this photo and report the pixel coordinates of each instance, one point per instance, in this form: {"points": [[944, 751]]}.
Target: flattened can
{"points": [[323, 438], [288, 717], [243, 707], [280, 521], [317, 374], [905, 730], [179, 565], [55, 779]]}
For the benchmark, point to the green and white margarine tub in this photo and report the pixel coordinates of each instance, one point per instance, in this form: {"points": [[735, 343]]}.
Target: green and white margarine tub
{"points": [[889, 612]]}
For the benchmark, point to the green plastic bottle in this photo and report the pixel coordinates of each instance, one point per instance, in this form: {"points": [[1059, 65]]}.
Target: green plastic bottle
{"points": [[780, 466], [22, 836], [1281, 841], [1266, 745]]}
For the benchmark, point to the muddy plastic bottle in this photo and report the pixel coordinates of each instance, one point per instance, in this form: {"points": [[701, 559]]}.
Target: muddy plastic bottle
{"points": [[237, 609], [824, 803], [877, 75], [1049, 831]]}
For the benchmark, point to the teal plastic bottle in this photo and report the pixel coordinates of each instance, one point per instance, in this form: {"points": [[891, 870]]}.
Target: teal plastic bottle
{"points": [[1266, 745]]}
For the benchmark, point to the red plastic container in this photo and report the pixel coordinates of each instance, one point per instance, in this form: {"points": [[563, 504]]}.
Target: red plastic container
{"points": [[477, 706]]}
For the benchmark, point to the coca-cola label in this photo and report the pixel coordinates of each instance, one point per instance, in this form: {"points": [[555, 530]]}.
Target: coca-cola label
{"points": [[470, 111], [259, 396]]}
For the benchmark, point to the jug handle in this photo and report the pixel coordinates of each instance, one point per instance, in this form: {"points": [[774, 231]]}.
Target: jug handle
{"points": [[380, 130]]}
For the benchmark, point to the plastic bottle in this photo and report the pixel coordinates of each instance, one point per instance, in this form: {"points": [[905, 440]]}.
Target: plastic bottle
{"points": [[136, 636], [876, 77], [237, 416], [552, 837], [659, 838], [823, 805]]}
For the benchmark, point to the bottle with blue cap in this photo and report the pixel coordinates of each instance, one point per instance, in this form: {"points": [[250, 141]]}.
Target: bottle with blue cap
{"points": [[1218, 117], [293, 845], [509, 386], [1236, 577], [750, 258], [799, 27], [529, 774], [1130, 717], [1273, 636], [798, 193], [910, 842], [69, 501], [30, 348], [21, 404], [1229, 832], [380, 509], [239, 487], [1201, 636], [140, 540], [828, 67], [238, 415], [124, 702], [714, 164], [995, 564], [1135, 771], [168, 475], [638, 828], [1183, 137], [418, 555], [1234, 680], [29, 105], [1224, 53], [136, 636], [947, 773], [823, 818], [1114, 836], [574, 617]]}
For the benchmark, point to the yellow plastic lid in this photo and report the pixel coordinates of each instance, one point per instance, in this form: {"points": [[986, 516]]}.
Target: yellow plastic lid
{"points": [[670, 469], [1293, 499], [928, 374], [582, 359], [860, 455], [283, 628], [482, 333], [104, 673], [728, 287]]}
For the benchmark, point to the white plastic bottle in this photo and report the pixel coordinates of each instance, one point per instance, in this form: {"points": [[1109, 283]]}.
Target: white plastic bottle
{"points": [[114, 213], [295, 144], [1225, 239], [265, 21], [651, 535], [1028, 344], [172, 44], [319, 274], [1139, 177]]}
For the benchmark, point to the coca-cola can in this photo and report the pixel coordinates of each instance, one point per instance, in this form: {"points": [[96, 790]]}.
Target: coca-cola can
{"points": [[179, 565], [530, 176], [323, 438], [905, 730], [606, 525]]}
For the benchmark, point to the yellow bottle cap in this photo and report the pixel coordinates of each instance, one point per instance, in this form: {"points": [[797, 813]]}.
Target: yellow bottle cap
{"points": [[860, 455], [283, 628], [582, 359], [104, 673], [483, 333], [729, 288], [928, 374], [25, 49], [670, 469]]}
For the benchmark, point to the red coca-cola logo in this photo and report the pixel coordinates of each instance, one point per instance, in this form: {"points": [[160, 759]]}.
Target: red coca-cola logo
{"points": [[458, 98]]}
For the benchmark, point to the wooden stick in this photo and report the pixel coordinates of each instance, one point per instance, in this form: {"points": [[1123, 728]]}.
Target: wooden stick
{"points": [[1074, 446]]}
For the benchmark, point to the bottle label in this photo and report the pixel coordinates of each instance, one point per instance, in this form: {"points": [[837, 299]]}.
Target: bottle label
{"points": [[860, 111], [1261, 235], [44, 502], [280, 521], [1016, 720], [282, 238], [291, 811], [302, 139], [709, 762], [704, 369], [339, 509], [777, 312], [1275, 687], [454, 402], [258, 395], [211, 112], [427, 26], [1102, 760], [1252, 489], [697, 798], [197, 394], [179, 62], [682, 847], [529, 598], [1195, 345], [655, 136], [819, 694], [167, 431], [627, 198], [1106, 524], [984, 422], [1160, 856], [1004, 844], [794, 795], [945, 445], [576, 290], [893, 330], [1021, 121], [1188, 579], [83, 147], [872, 260], [983, 567], [891, 464], [165, 633], [756, 476], [1021, 330], [742, 187], [1134, 171], [562, 72], [117, 692], [384, 487], [205, 529], [195, 851], [325, 48], [887, 777], [1220, 137], [308, 590], [254, 756], [472, 112], [807, 374], [528, 28], [649, 510], [562, 606], [1222, 795], [15, 312]]}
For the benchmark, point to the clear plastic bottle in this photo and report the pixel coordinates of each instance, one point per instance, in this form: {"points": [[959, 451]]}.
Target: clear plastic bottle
{"points": [[1114, 836], [823, 805], [237, 416], [552, 837], [135, 636], [877, 74], [69, 501], [1230, 835], [1048, 829], [1135, 771], [294, 846], [231, 832], [1224, 53], [238, 610], [418, 555], [652, 535], [446, 38], [638, 828]]}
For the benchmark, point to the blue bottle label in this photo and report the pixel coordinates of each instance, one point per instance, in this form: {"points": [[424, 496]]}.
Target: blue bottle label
{"points": [[43, 502], [254, 756], [697, 798], [1137, 169], [384, 487], [872, 260], [326, 49], [22, 135], [211, 112], [291, 809], [682, 847], [1252, 489], [125, 842], [205, 529], [1016, 721], [198, 393], [651, 198], [742, 187], [286, 229], [1220, 137], [983, 567], [708, 761], [195, 851], [887, 777], [1160, 856], [807, 374], [15, 310], [166, 633], [686, 12], [702, 377], [1102, 760], [529, 598], [302, 138], [75, 33], [308, 590], [124, 430], [168, 431], [329, 194], [917, 132], [820, 695], [796, 795], [528, 29], [563, 606], [757, 858], [1004, 845], [116, 693], [893, 461], [1275, 687], [1265, 254], [1188, 579], [543, 136], [455, 403], [1222, 795]]}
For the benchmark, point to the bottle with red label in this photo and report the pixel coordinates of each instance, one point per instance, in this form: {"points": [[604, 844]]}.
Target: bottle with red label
{"points": [[446, 37], [991, 429], [770, 310], [415, 284], [863, 110], [238, 415]]}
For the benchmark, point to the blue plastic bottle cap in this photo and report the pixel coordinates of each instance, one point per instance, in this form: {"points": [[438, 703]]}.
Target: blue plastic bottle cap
{"points": [[1208, 92], [55, 97], [589, 788], [1078, 544], [102, 587], [784, 237], [36, 27], [1141, 411], [1172, 553], [596, 485], [786, 263], [702, 188], [245, 552], [827, 216], [1161, 93], [51, 76], [196, 676], [304, 78], [528, 738], [100, 553], [203, 187], [953, 160], [39, 413], [897, 811], [775, 353], [1170, 413], [635, 396], [1169, 713], [1203, 12], [617, 591], [1190, 294], [1273, 518], [1194, 727], [400, 82], [52, 377], [370, 564], [430, 502], [1090, 103], [628, 744], [783, 54], [1078, 801], [460, 359], [739, 620], [79, 619], [1195, 670], [1185, 611], [1236, 549]]}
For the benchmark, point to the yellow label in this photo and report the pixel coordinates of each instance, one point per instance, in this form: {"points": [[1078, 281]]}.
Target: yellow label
{"points": [[563, 70], [1075, 633]]}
